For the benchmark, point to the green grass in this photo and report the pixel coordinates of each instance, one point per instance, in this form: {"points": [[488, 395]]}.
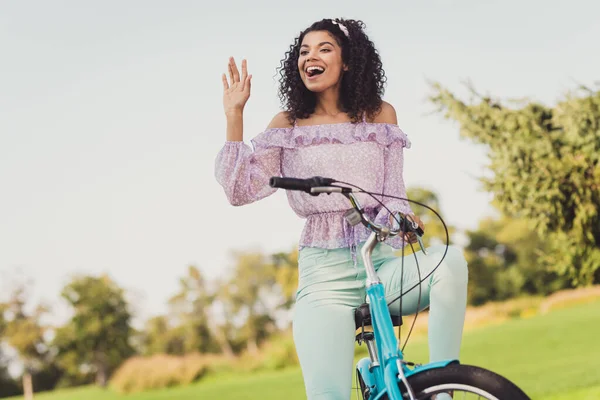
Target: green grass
{"points": [[547, 356], [554, 357], [592, 393]]}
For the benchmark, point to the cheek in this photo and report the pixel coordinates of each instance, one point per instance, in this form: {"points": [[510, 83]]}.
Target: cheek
{"points": [[301, 61], [335, 70], [335, 63]]}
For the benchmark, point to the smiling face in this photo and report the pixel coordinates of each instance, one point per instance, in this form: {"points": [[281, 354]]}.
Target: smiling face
{"points": [[320, 61]]}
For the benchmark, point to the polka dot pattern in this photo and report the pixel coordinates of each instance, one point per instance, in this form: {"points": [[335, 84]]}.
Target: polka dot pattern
{"points": [[369, 155]]}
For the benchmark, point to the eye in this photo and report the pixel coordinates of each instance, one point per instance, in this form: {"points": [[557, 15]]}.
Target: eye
{"points": [[326, 50], [303, 52]]}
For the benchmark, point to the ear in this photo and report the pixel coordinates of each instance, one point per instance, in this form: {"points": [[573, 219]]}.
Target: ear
{"points": [[345, 68]]}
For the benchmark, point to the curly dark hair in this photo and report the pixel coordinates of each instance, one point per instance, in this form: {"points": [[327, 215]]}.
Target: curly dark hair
{"points": [[362, 86]]}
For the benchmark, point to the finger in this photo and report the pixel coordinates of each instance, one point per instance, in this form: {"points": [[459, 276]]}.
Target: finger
{"points": [[225, 84], [236, 73], [420, 223], [412, 238], [244, 70], [248, 83], [231, 80]]}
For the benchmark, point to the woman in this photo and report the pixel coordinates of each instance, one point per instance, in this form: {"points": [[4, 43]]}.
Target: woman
{"points": [[337, 125]]}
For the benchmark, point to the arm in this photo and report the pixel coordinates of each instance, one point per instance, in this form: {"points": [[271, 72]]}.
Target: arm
{"points": [[243, 173]]}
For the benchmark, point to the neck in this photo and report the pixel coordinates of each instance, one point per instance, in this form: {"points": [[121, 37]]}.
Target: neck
{"points": [[328, 102]]}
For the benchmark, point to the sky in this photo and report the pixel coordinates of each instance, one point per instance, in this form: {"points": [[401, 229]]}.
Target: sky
{"points": [[111, 117]]}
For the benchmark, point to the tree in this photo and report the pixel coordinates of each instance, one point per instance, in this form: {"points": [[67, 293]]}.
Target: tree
{"points": [[525, 247], [251, 297], [502, 256], [434, 229], [97, 338], [25, 333], [8, 387], [286, 276], [3, 308], [545, 165], [189, 327], [191, 308], [162, 338]]}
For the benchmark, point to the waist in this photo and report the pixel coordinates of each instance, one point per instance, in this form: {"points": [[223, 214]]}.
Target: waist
{"points": [[330, 230]]}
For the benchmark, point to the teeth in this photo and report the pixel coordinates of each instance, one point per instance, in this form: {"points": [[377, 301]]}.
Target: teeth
{"points": [[314, 68]]}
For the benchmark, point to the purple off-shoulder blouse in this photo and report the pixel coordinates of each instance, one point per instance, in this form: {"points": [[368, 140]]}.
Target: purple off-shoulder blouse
{"points": [[369, 155]]}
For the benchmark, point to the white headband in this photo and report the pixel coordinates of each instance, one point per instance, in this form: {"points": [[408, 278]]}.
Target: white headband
{"points": [[342, 28]]}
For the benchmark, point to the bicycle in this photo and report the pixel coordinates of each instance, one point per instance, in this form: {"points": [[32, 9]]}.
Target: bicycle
{"points": [[385, 374]]}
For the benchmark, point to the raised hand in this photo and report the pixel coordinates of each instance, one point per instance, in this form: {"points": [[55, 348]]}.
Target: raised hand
{"points": [[237, 91]]}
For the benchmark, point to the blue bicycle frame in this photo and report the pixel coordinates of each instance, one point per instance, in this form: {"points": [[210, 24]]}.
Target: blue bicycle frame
{"points": [[385, 367]]}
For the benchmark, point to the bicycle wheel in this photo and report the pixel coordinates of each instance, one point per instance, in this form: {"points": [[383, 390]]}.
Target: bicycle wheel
{"points": [[465, 382]]}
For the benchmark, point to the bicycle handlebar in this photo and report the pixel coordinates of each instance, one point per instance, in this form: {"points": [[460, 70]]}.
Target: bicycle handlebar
{"points": [[317, 185]]}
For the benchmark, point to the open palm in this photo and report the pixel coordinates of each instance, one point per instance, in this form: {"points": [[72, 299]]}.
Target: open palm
{"points": [[237, 91]]}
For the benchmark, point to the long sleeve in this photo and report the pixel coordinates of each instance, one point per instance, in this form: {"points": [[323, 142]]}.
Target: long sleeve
{"points": [[393, 185], [244, 174]]}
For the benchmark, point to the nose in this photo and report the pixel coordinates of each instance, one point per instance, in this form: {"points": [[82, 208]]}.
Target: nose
{"points": [[311, 55]]}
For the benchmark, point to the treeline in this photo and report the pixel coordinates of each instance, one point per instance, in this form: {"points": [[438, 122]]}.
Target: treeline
{"points": [[545, 165], [233, 315], [223, 317]]}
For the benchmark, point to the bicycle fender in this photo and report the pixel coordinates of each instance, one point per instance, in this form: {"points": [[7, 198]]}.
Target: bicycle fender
{"points": [[368, 377], [426, 367], [417, 370], [371, 381]]}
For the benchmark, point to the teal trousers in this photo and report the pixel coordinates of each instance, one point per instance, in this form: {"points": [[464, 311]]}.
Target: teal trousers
{"points": [[331, 285]]}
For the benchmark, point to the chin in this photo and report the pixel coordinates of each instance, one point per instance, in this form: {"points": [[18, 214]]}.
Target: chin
{"points": [[317, 87]]}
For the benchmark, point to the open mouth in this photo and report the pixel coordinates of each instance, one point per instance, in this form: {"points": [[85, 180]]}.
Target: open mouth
{"points": [[314, 70]]}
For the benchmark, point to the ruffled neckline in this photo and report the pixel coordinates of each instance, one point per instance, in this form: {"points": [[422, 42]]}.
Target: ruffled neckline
{"points": [[340, 133]]}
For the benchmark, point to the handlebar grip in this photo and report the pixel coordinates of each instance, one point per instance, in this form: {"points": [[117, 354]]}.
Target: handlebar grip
{"points": [[304, 185], [290, 184]]}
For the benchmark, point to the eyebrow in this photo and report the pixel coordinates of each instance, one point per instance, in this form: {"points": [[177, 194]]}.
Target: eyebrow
{"points": [[320, 44]]}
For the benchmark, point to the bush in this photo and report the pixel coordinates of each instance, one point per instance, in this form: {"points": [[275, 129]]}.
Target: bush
{"points": [[277, 353], [568, 298], [161, 370]]}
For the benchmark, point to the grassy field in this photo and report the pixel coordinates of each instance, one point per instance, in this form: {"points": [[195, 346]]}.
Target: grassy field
{"points": [[554, 356]]}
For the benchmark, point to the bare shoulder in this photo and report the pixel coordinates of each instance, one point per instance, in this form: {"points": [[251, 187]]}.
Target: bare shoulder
{"points": [[387, 114], [280, 121]]}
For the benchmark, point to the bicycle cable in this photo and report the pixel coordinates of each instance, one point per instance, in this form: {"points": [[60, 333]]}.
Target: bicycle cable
{"points": [[402, 226], [420, 280], [372, 194]]}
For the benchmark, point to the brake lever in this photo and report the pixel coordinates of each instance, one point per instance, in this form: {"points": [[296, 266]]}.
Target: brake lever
{"points": [[407, 221], [421, 244]]}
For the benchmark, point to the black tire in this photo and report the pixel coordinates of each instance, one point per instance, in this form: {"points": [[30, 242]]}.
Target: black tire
{"points": [[464, 377]]}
